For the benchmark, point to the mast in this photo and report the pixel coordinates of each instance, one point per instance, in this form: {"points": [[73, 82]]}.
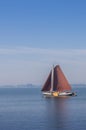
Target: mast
{"points": [[52, 78]]}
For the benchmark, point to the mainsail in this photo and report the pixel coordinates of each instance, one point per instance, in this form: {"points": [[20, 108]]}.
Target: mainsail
{"points": [[60, 82]]}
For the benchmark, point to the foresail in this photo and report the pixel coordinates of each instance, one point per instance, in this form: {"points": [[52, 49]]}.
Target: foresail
{"points": [[47, 85]]}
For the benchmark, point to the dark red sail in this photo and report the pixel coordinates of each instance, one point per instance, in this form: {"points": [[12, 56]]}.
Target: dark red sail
{"points": [[60, 82], [47, 85]]}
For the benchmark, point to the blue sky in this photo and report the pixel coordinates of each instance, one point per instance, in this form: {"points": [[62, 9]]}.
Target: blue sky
{"points": [[34, 34]]}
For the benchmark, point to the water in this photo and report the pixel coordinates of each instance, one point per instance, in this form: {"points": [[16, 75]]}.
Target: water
{"points": [[27, 109]]}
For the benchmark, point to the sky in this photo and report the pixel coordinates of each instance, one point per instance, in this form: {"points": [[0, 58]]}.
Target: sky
{"points": [[35, 34]]}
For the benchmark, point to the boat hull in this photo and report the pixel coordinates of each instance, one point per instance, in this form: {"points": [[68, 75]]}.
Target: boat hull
{"points": [[66, 94], [47, 93], [58, 94]]}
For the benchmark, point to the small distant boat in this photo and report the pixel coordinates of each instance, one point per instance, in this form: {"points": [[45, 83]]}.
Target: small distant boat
{"points": [[56, 84]]}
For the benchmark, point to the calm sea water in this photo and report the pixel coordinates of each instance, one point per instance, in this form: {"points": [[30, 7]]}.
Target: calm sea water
{"points": [[27, 109]]}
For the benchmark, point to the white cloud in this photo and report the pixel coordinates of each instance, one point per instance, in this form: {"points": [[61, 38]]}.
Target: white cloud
{"points": [[27, 50], [46, 55]]}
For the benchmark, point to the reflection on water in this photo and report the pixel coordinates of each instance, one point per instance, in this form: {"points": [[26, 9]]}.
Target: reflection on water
{"points": [[56, 112]]}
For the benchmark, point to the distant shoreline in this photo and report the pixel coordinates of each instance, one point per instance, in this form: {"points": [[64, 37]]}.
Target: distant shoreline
{"points": [[20, 86], [35, 86]]}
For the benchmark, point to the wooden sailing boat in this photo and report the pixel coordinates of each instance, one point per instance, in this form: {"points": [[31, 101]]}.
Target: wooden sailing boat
{"points": [[57, 84]]}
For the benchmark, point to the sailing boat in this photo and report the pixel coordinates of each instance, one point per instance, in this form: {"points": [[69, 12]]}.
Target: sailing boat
{"points": [[57, 84]]}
